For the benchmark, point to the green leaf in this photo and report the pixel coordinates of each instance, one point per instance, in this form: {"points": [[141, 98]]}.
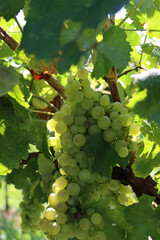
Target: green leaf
{"points": [[104, 155], [45, 36], [108, 49], [4, 170], [148, 85], [143, 219], [135, 16], [8, 79], [9, 8], [46, 168]]}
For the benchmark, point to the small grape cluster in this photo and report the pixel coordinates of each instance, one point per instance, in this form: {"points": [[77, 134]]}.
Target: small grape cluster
{"points": [[30, 214], [85, 113]]}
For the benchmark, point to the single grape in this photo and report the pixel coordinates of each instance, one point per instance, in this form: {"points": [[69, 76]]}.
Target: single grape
{"points": [[68, 119], [54, 228], [82, 74], [43, 225], [93, 129], [114, 185], [63, 159], [109, 135], [73, 171], [52, 199], [133, 146], [85, 83], [61, 207], [85, 224], [87, 104], [61, 182], [97, 112], [84, 175], [104, 122], [61, 127], [63, 195], [96, 218], [103, 188], [95, 195], [74, 129], [73, 189], [104, 100], [125, 119], [88, 92], [58, 116], [66, 109], [100, 236], [116, 125], [119, 144], [51, 124], [123, 152], [117, 106], [80, 120], [50, 214], [79, 140], [61, 218], [114, 115], [135, 130]]}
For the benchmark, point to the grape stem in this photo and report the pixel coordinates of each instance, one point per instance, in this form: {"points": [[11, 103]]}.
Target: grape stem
{"points": [[111, 79]]}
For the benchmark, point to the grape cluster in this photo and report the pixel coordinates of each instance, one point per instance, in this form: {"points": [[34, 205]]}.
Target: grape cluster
{"points": [[31, 210], [85, 113]]}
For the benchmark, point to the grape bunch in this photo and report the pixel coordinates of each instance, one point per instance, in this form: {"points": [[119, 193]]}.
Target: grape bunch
{"points": [[30, 214], [85, 113]]}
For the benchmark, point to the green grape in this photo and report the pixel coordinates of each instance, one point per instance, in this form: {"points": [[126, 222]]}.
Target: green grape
{"points": [[104, 100], [74, 129], [58, 116], [109, 135], [61, 236], [43, 225], [87, 104], [100, 236], [96, 218], [52, 199], [104, 122], [63, 195], [98, 112], [81, 234], [79, 110], [117, 106], [75, 85], [68, 119], [119, 144], [88, 92], [54, 228], [80, 120], [61, 207], [73, 189], [81, 156], [84, 175], [114, 115], [125, 189], [66, 109], [114, 185], [73, 171], [116, 125], [85, 83], [93, 129], [135, 130], [103, 188], [72, 162], [82, 74], [123, 152], [85, 224], [123, 110], [82, 129], [61, 218], [61, 127], [125, 119], [79, 140], [50, 214], [51, 124], [61, 182], [63, 159]]}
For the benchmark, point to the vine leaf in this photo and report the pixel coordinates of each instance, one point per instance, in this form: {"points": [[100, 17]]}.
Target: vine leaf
{"points": [[142, 212], [8, 79], [104, 155], [111, 53], [12, 10], [145, 101], [44, 39]]}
